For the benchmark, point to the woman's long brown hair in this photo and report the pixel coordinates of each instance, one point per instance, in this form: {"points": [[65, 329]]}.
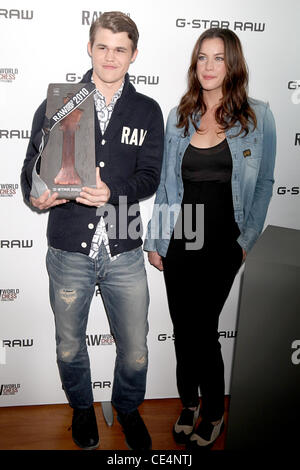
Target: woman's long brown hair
{"points": [[234, 106]]}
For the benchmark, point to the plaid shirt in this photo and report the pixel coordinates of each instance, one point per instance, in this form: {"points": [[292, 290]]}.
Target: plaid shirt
{"points": [[104, 114]]}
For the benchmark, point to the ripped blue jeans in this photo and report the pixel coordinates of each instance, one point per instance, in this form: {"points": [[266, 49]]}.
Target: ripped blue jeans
{"points": [[124, 291]]}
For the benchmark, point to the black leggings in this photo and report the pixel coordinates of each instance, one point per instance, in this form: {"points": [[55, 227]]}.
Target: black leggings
{"points": [[198, 284]]}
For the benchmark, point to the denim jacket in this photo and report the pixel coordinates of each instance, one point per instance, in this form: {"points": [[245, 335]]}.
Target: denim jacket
{"points": [[253, 160]]}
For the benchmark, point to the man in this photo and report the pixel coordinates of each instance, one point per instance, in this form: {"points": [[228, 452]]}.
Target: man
{"points": [[85, 250]]}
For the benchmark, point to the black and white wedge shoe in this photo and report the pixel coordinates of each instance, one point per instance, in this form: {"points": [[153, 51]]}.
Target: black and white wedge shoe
{"points": [[184, 426], [205, 434]]}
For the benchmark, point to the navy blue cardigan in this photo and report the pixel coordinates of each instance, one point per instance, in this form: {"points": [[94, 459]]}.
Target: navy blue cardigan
{"points": [[130, 166]]}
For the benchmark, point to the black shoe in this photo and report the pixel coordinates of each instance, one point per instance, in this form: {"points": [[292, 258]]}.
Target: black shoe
{"points": [[185, 424], [205, 434], [136, 433], [84, 428]]}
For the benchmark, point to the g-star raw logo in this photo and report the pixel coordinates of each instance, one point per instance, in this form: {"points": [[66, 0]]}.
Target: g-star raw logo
{"points": [[227, 334], [297, 139], [8, 295], [236, 25], [8, 75], [21, 343], [222, 334], [293, 191], [18, 14], [8, 189], [14, 134], [16, 243], [101, 384], [72, 77], [88, 17], [144, 79], [165, 337], [295, 85], [9, 389]]}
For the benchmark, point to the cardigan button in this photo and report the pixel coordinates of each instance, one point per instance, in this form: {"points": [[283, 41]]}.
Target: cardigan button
{"points": [[84, 245], [101, 164], [91, 226], [103, 141]]}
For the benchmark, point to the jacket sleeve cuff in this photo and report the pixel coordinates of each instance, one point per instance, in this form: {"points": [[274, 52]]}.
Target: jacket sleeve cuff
{"points": [[247, 239], [149, 245]]}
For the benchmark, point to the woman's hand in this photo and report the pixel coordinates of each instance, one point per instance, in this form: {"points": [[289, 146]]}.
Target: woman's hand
{"points": [[155, 259]]}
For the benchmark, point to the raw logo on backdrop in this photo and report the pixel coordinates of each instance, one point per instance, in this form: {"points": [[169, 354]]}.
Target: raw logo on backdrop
{"points": [[20, 343], [198, 23], [101, 384], [14, 134], [285, 190], [144, 79], [88, 17], [16, 14], [16, 243], [295, 86], [230, 334]]}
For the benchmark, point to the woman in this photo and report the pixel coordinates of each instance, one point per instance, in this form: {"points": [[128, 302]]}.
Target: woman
{"points": [[220, 150]]}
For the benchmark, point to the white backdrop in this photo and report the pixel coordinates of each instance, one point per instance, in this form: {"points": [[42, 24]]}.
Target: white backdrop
{"points": [[44, 43]]}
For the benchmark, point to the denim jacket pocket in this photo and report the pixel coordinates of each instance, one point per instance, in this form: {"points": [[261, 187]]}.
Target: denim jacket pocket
{"points": [[251, 150]]}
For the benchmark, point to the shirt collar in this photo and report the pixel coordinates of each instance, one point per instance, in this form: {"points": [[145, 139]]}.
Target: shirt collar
{"points": [[116, 95]]}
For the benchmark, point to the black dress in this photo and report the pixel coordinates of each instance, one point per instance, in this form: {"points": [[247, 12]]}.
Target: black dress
{"points": [[206, 175], [198, 281]]}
